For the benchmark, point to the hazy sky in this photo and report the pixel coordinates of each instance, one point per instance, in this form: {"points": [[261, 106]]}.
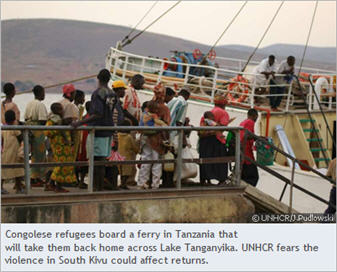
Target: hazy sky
{"points": [[198, 21]]}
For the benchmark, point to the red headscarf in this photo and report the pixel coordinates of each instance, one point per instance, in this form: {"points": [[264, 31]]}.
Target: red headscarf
{"points": [[220, 99], [159, 93]]}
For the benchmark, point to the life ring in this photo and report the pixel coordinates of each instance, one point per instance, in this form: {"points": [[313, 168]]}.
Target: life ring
{"points": [[212, 55], [238, 84], [197, 54]]}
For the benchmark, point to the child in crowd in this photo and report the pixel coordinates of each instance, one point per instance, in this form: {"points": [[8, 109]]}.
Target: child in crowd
{"points": [[150, 117], [128, 147], [55, 116], [62, 152], [152, 147], [11, 142], [207, 121]]}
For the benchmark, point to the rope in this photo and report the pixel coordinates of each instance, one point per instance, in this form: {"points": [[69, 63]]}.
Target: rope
{"points": [[231, 22], [132, 30], [264, 34], [141, 32], [306, 44], [59, 84]]}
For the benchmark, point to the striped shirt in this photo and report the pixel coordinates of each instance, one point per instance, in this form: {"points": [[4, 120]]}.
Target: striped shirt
{"points": [[178, 109]]}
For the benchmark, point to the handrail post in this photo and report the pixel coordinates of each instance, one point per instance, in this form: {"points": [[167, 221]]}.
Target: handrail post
{"points": [[91, 160], [252, 96], [186, 74], [330, 87], [179, 158], [125, 66], [142, 66], [115, 65], [291, 187], [237, 158], [26, 159], [161, 71], [288, 97], [310, 102], [214, 84]]}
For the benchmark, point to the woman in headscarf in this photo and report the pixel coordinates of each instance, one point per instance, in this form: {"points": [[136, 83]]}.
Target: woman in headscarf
{"points": [[212, 144], [159, 97]]}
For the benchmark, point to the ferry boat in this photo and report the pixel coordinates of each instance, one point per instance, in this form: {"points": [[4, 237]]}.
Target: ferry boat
{"points": [[299, 128]]}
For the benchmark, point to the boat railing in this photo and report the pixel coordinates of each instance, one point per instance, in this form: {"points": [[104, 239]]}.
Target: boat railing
{"points": [[124, 65], [238, 64]]}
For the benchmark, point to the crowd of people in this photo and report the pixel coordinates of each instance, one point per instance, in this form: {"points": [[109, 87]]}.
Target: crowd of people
{"points": [[118, 105]]}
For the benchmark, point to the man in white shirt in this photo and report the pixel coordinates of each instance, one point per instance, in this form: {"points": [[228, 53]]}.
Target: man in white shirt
{"points": [[323, 91], [263, 73], [286, 68]]}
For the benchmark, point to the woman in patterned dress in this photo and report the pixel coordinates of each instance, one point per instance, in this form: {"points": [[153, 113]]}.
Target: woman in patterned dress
{"points": [[62, 152]]}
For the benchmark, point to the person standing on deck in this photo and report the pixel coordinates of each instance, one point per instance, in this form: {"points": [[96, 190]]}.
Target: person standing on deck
{"points": [[118, 86], [249, 171], [11, 141], [287, 68], [213, 145], [131, 100], [79, 100], [60, 142], [160, 96], [36, 114], [178, 108], [82, 152], [102, 103], [263, 73], [324, 92], [8, 104], [71, 111], [169, 95]]}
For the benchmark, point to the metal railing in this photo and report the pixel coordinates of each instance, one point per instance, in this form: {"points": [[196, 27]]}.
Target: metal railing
{"points": [[121, 63], [239, 63], [283, 178], [91, 163]]}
